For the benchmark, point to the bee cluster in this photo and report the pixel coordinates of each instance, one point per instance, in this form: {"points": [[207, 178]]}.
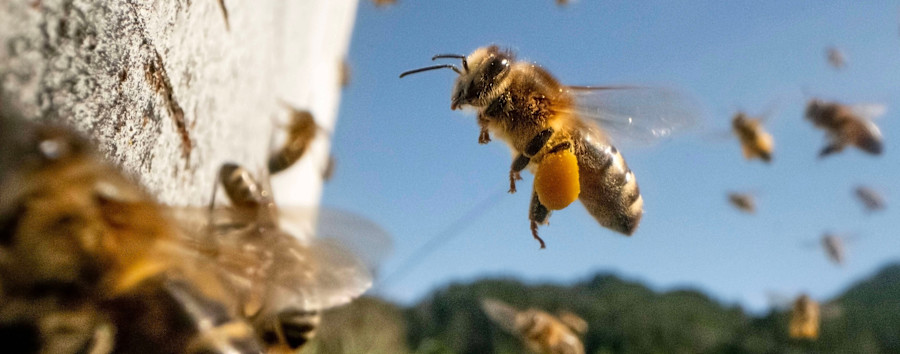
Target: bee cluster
{"points": [[91, 263]]}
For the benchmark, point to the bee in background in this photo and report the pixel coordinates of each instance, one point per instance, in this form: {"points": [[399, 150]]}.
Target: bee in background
{"points": [[280, 280], [871, 199], [90, 263], [383, 3], [562, 2], [300, 131], [559, 133], [755, 141], [541, 331], [804, 318], [836, 58], [834, 248], [743, 202], [344, 73], [846, 125]]}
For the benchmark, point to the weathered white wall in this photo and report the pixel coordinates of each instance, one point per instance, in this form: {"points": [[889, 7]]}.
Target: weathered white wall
{"points": [[168, 92]]}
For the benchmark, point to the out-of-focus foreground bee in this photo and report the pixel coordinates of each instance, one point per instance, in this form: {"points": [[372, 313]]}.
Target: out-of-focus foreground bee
{"points": [[871, 199], [755, 141], [804, 318], [541, 331], [743, 201], [89, 263], [553, 130], [280, 280], [846, 125]]}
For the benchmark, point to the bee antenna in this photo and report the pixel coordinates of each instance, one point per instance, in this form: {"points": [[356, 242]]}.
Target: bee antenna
{"points": [[453, 56], [450, 66]]}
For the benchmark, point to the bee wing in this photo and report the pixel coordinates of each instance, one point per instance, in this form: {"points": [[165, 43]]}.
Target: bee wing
{"points": [[272, 266], [869, 110], [501, 313], [635, 115]]}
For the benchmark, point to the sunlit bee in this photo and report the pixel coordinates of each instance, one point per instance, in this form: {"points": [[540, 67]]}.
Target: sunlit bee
{"points": [[804, 318], [755, 141], [743, 202], [871, 199], [834, 248], [90, 263], [300, 130], [846, 125], [559, 133], [281, 280], [835, 58], [540, 331]]}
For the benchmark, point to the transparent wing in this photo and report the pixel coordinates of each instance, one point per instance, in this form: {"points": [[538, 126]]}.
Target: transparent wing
{"points": [[270, 267], [637, 116], [869, 110], [501, 314]]}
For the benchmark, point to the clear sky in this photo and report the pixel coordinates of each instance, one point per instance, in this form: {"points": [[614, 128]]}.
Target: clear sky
{"points": [[408, 162]]}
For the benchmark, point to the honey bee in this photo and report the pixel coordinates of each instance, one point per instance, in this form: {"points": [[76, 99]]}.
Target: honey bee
{"points": [[344, 73], [834, 248], [558, 132], [755, 141], [90, 263], [281, 281], [744, 202], [871, 199], [846, 125], [541, 331], [804, 318], [300, 130], [835, 58], [381, 3]]}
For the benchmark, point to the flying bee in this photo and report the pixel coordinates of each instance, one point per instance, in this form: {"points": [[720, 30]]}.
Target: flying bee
{"points": [[300, 130], [804, 318], [381, 3], [834, 248], [541, 331], [871, 199], [90, 263], [281, 281], [559, 133], [835, 57], [846, 125], [743, 201], [755, 141]]}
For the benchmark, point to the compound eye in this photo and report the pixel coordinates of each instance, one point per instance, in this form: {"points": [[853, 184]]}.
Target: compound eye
{"points": [[496, 66]]}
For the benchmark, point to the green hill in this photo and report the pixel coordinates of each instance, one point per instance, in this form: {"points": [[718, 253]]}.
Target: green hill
{"points": [[623, 317]]}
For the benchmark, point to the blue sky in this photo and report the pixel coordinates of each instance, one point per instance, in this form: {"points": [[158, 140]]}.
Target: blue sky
{"points": [[408, 162]]}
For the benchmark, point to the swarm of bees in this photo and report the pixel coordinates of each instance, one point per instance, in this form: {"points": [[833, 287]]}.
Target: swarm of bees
{"points": [[91, 263], [540, 331], [559, 133]]}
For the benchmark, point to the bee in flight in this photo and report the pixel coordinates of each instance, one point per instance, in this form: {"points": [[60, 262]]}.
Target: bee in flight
{"points": [[559, 132], [542, 332], [90, 263], [836, 58], [804, 318], [743, 201], [847, 125], [755, 141], [871, 199]]}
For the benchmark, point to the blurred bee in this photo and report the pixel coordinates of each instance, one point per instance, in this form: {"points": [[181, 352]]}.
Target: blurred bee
{"points": [[744, 202], [553, 130], [804, 318], [835, 58], [846, 125], [834, 248], [871, 199], [300, 131], [381, 3], [89, 263], [755, 141], [344, 73], [541, 331], [281, 280]]}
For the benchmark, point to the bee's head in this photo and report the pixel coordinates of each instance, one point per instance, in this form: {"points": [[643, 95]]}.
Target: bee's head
{"points": [[814, 108], [481, 77]]}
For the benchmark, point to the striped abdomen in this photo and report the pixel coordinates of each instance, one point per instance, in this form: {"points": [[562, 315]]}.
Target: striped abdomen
{"points": [[609, 190]]}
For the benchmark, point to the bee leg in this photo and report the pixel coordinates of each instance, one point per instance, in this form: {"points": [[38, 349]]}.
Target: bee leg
{"points": [[830, 149], [523, 159], [538, 214], [484, 137]]}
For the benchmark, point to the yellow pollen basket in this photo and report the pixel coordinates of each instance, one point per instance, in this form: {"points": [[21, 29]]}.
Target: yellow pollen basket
{"points": [[556, 180]]}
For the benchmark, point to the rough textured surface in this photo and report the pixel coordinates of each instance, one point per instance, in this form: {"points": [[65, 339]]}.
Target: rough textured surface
{"points": [[170, 89]]}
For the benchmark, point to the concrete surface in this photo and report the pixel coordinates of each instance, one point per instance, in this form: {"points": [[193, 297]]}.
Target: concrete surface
{"points": [[169, 91]]}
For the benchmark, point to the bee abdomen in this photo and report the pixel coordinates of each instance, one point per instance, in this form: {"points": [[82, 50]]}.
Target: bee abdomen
{"points": [[609, 190], [293, 328]]}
